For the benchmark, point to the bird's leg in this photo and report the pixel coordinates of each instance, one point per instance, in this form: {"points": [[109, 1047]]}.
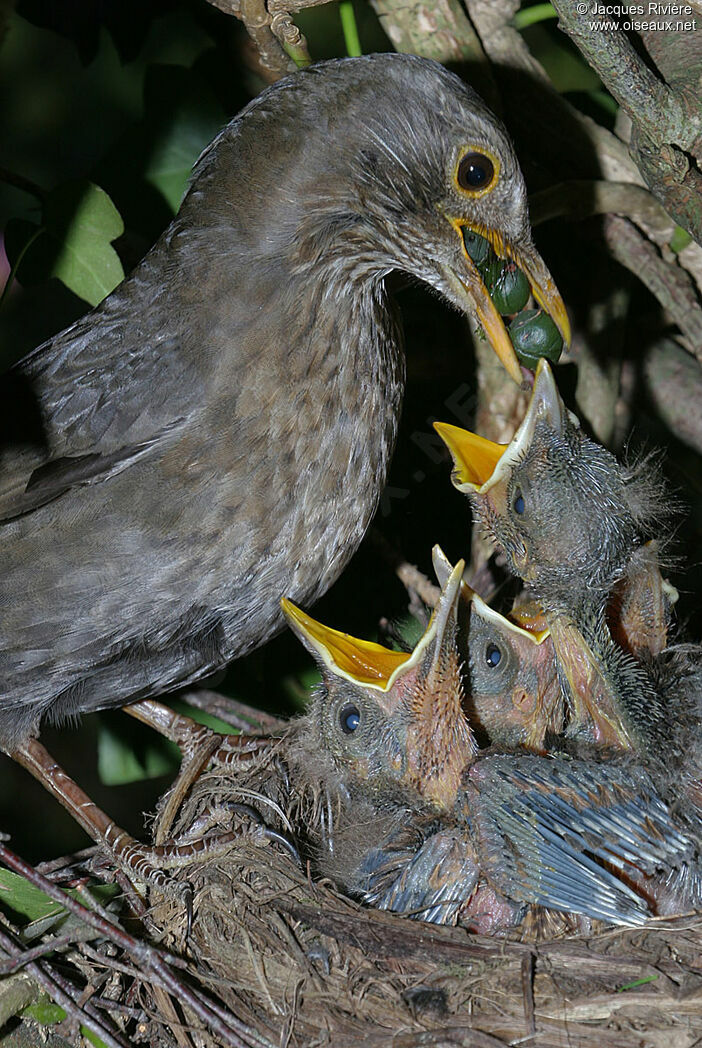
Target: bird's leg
{"points": [[198, 744], [129, 855], [190, 737], [143, 865], [197, 741]]}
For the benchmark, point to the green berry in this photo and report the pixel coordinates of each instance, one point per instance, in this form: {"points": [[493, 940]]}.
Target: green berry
{"points": [[534, 335], [507, 286], [477, 247]]}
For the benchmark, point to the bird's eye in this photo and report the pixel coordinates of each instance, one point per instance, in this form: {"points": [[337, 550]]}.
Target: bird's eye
{"points": [[518, 503], [476, 172], [493, 656], [349, 718]]}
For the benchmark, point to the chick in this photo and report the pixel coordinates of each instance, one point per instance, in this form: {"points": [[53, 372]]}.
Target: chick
{"points": [[576, 526], [513, 698], [390, 730]]}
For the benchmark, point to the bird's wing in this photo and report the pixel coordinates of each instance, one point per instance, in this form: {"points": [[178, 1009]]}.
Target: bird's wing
{"points": [[431, 881], [545, 828], [56, 476], [82, 405]]}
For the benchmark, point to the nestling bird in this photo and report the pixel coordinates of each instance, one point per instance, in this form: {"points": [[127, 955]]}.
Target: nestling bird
{"points": [[514, 694], [574, 524], [217, 432], [385, 842], [521, 827], [514, 697]]}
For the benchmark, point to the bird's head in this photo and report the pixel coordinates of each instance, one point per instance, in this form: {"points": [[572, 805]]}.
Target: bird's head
{"points": [[437, 166], [392, 719], [562, 508], [357, 167], [514, 696]]}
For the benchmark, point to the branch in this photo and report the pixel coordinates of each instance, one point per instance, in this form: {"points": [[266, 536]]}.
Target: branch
{"points": [[438, 30], [666, 134], [674, 382], [649, 102], [670, 284], [583, 198]]}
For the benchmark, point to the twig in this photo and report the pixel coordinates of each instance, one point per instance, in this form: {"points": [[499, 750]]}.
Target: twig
{"points": [[280, 44], [231, 1031], [35, 953], [64, 862], [11, 178], [650, 103], [666, 121], [670, 284], [53, 988]]}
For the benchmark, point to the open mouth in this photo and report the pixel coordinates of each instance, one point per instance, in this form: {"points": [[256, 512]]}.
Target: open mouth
{"points": [[479, 463], [470, 288]]}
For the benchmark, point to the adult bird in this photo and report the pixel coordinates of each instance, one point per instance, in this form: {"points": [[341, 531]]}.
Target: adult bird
{"points": [[217, 432], [575, 525], [511, 830]]}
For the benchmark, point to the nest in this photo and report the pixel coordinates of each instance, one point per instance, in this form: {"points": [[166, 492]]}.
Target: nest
{"points": [[275, 957], [302, 965]]}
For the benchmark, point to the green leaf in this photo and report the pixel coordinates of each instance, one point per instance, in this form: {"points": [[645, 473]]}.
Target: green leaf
{"points": [[203, 717], [118, 762], [679, 240], [42, 913], [84, 221], [185, 116], [44, 1011], [26, 900], [73, 242]]}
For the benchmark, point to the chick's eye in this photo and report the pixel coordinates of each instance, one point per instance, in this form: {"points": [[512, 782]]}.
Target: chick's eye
{"points": [[349, 719], [493, 655], [475, 172], [518, 503]]}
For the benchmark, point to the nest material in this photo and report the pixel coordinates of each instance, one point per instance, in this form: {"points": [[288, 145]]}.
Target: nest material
{"points": [[280, 958], [304, 965]]}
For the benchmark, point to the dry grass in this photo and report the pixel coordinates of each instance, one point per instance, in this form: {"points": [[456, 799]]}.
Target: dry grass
{"points": [[303, 965]]}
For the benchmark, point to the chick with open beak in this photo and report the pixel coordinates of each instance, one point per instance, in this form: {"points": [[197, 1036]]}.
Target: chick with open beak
{"points": [[389, 767], [513, 696], [576, 526], [513, 829]]}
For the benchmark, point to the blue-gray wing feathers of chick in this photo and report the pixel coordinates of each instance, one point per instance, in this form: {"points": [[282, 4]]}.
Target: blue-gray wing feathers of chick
{"points": [[544, 829], [431, 883]]}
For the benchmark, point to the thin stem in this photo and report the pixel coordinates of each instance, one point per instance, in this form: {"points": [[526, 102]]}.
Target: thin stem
{"points": [[350, 29], [11, 178], [532, 15]]}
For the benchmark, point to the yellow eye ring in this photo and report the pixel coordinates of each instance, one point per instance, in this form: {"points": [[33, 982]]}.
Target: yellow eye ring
{"points": [[477, 171]]}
